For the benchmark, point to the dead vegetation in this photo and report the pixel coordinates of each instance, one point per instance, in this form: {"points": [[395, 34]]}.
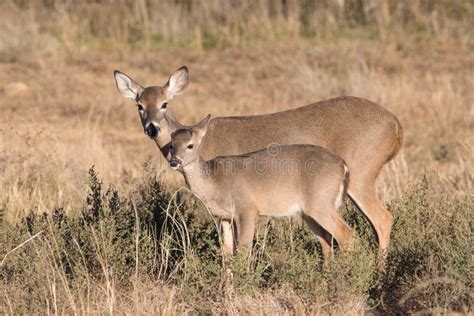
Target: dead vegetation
{"points": [[61, 114]]}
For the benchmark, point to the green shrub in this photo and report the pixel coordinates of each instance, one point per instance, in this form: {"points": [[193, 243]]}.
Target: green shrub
{"points": [[430, 260], [155, 235]]}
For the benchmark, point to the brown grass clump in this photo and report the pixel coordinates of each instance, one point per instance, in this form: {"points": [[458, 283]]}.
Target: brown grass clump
{"points": [[116, 251]]}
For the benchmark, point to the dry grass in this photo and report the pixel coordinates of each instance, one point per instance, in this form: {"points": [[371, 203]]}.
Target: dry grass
{"points": [[61, 112], [71, 118]]}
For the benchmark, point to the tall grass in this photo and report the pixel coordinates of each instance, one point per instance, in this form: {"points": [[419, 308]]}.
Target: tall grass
{"points": [[106, 258], [214, 23]]}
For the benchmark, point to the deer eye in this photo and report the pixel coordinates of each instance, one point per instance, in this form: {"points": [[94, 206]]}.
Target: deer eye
{"points": [[190, 146], [140, 108], [164, 105]]}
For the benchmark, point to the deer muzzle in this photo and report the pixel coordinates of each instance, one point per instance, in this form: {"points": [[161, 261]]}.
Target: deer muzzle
{"points": [[174, 163], [152, 131]]}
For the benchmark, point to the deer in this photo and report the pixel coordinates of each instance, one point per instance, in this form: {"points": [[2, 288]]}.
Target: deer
{"points": [[280, 181], [364, 134]]}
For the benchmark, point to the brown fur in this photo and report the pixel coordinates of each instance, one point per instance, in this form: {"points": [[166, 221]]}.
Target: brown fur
{"points": [[289, 180], [361, 132]]}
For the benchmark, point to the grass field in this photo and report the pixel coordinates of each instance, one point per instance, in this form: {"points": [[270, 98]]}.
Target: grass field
{"points": [[122, 237]]}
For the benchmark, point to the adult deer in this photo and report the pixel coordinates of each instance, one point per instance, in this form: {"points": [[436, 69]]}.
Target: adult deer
{"points": [[281, 181], [364, 134]]}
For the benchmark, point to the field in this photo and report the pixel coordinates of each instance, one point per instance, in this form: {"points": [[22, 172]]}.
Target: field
{"points": [[93, 220]]}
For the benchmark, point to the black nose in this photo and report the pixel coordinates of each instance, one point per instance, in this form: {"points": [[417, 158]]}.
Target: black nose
{"points": [[151, 131], [174, 162]]}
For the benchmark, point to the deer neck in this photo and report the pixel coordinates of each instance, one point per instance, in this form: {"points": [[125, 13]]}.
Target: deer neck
{"points": [[164, 140], [196, 175]]}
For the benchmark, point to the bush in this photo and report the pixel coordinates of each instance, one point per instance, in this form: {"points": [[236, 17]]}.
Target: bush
{"points": [[161, 237], [430, 261]]}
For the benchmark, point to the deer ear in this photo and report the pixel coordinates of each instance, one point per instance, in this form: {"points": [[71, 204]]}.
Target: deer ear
{"points": [[177, 82], [127, 87], [201, 127]]}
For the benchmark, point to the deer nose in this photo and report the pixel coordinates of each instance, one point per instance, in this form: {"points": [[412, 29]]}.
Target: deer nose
{"points": [[151, 130], [174, 162]]}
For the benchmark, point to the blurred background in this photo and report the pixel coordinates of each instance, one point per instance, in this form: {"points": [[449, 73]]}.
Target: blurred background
{"points": [[61, 112]]}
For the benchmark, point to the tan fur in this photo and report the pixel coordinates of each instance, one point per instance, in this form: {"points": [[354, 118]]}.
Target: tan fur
{"points": [[363, 133], [281, 181]]}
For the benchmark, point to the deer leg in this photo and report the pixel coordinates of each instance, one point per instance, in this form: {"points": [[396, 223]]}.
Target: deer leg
{"points": [[333, 223], [245, 231], [366, 199], [227, 236], [323, 236]]}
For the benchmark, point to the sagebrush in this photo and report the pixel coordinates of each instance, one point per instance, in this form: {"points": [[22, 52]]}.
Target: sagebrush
{"points": [[116, 243]]}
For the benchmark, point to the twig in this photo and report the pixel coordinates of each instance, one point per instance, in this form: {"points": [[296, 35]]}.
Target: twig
{"points": [[19, 246]]}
